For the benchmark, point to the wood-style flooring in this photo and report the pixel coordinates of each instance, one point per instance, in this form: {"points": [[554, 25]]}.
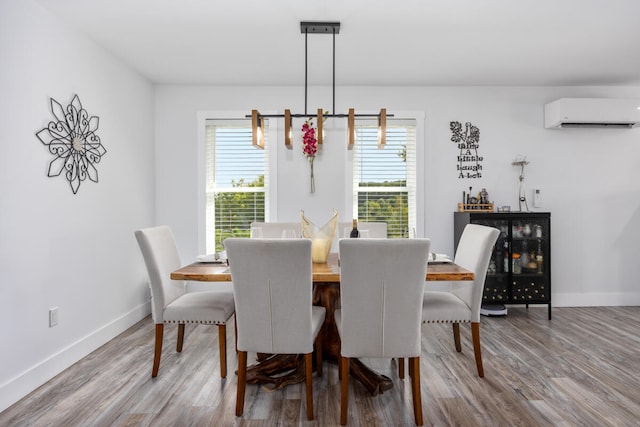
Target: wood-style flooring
{"points": [[580, 369]]}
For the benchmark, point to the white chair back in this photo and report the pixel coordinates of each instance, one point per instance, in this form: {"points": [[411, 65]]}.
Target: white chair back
{"points": [[273, 230], [272, 284], [161, 257], [376, 230], [474, 252], [381, 291]]}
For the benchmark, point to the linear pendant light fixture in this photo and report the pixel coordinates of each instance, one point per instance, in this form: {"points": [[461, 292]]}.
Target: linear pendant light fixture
{"points": [[257, 119]]}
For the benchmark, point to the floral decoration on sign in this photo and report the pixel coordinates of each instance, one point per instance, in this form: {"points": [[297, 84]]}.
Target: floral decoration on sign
{"points": [[310, 146], [71, 138]]}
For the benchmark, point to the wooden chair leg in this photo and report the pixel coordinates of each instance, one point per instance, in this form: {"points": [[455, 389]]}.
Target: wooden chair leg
{"points": [[158, 349], [475, 335], [401, 367], [456, 336], [222, 345], [415, 390], [180, 337], [242, 382], [344, 389], [308, 367], [410, 370], [319, 354]]}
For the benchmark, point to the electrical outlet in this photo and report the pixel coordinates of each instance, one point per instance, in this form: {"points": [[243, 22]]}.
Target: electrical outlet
{"points": [[537, 198], [53, 317]]}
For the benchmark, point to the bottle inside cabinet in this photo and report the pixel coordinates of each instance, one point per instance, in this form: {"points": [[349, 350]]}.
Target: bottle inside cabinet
{"points": [[527, 247]]}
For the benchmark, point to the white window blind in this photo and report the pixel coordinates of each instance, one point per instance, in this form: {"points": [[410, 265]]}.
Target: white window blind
{"points": [[384, 181], [236, 181]]}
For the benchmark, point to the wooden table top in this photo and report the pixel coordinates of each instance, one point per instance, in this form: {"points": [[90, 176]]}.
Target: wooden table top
{"points": [[322, 273]]}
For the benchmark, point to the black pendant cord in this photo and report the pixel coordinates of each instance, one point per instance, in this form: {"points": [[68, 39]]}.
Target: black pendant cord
{"points": [[318, 28], [334, 70], [333, 81], [306, 33]]}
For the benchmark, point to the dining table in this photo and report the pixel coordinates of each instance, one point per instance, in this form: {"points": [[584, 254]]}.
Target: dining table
{"points": [[276, 371]]}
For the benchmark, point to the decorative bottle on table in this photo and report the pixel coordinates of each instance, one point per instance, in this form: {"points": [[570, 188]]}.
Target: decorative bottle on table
{"points": [[354, 232]]}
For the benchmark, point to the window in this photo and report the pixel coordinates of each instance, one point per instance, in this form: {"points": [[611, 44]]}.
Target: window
{"points": [[384, 181], [236, 179]]}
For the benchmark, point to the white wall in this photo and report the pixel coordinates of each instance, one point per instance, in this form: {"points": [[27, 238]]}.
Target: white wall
{"points": [[588, 177], [75, 252]]}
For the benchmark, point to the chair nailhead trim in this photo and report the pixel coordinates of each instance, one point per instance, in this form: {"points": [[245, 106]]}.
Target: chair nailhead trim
{"points": [[447, 321], [201, 322]]}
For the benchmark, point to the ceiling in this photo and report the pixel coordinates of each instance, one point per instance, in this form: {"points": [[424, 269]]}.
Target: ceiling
{"points": [[400, 42]]}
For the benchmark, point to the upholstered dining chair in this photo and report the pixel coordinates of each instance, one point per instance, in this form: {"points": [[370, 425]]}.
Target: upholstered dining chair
{"points": [[376, 230], [462, 303], [272, 281], [274, 230], [381, 287], [169, 301]]}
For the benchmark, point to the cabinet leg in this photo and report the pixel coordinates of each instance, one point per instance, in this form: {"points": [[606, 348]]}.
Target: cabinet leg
{"points": [[549, 311]]}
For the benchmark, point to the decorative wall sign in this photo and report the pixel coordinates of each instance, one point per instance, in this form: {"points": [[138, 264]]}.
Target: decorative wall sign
{"points": [[71, 138], [468, 141]]}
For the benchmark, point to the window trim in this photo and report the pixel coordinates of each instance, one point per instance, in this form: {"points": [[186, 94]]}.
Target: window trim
{"points": [[272, 133], [419, 118]]}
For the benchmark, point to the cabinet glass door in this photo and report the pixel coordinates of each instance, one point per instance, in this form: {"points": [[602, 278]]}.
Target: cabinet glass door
{"points": [[496, 285], [529, 253]]}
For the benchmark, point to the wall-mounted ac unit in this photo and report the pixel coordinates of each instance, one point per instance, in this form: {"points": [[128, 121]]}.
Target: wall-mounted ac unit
{"points": [[592, 112]]}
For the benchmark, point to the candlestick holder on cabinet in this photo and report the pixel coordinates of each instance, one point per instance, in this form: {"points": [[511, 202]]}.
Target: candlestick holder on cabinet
{"points": [[522, 196]]}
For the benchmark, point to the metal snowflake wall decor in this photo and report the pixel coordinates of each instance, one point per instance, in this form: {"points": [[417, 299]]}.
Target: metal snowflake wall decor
{"points": [[71, 138]]}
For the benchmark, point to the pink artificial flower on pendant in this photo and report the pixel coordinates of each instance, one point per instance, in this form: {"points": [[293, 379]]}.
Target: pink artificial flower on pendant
{"points": [[310, 147]]}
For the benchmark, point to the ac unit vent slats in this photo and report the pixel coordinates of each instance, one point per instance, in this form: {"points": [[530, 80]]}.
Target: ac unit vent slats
{"points": [[597, 125], [607, 113]]}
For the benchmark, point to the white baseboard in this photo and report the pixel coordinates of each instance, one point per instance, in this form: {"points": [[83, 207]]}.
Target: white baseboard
{"points": [[599, 299], [595, 299], [26, 382]]}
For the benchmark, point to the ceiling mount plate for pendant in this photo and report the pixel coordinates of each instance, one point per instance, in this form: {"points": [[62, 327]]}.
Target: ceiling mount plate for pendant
{"points": [[319, 27]]}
